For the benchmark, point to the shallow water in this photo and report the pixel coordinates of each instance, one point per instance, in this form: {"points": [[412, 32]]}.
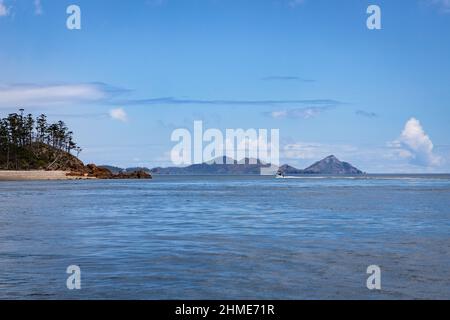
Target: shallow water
{"points": [[226, 238]]}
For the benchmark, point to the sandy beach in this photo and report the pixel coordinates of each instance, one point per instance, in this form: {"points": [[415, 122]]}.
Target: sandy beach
{"points": [[35, 175]]}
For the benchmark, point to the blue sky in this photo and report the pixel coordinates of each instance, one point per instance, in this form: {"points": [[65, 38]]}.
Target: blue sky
{"points": [[376, 98]]}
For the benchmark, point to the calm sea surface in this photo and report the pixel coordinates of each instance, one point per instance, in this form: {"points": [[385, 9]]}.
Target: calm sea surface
{"points": [[226, 237]]}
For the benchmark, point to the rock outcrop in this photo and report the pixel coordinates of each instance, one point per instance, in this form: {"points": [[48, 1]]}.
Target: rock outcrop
{"points": [[140, 174], [95, 172]]}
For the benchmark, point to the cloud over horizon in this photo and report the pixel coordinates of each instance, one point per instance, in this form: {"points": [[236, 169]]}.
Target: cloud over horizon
{"points": [[315, 151], [415, 145]]}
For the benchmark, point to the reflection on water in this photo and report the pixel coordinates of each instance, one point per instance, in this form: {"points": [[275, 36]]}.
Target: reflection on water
{"points": [[226, 237]]}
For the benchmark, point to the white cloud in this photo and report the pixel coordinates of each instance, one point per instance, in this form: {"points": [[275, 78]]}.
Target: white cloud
{"points": [[118, 114], [315, 151], [415, 145], [32, 95], [4, 11], [279, 114], [38, 7], [367, 157]]}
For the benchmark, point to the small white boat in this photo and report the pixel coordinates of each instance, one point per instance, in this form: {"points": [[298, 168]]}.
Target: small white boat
{"points": [[280, 175]]}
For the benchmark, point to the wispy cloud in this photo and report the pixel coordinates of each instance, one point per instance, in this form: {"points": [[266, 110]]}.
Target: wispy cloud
{"points": [[60, 95], [34, 95], [38, 8], [366, 114], [287, 78], [315, 151], [295, 3], [443, 5], [4, 10], [415, 145], [118, 114], [179, 101], [303, 113]]}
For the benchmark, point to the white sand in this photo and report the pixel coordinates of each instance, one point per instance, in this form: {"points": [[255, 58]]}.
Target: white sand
{"points": [[34, 175]]}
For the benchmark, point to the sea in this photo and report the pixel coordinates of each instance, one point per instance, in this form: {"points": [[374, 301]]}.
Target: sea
{"points": [[227, 237]]}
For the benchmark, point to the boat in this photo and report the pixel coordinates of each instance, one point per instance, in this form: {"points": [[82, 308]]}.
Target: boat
{"points": [[280, 175]]}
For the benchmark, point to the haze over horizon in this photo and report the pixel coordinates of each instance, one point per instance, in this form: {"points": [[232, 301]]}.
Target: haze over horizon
{"points": [[377, 99]]}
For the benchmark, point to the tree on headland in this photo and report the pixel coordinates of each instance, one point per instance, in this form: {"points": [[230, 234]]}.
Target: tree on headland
{"points": [[22, 134], [28, 143]]}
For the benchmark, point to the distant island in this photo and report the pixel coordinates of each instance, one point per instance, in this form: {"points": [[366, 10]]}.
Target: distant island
{"points": [[218, 166], [33, 149], [329, 166]]}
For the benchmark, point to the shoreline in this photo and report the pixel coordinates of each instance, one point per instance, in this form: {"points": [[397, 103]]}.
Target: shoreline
{"points": [[38, 175]]}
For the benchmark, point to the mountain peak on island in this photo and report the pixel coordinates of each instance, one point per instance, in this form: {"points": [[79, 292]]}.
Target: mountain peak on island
{"points": [[331, 165], [331, 158]]}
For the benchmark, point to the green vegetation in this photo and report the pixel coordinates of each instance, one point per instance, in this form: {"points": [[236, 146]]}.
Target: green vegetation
{"points": [[32, 143]]}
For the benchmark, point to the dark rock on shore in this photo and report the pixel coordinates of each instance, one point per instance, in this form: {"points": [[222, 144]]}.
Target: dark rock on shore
{"points": [[140, 174], [117, 170], [93, 171]]}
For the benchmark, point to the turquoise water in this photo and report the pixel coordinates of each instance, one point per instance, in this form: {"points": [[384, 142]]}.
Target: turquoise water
{"points": [[226, 238]]}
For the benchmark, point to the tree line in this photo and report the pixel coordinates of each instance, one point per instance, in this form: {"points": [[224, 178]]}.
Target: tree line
{"points": [[20, 131]]}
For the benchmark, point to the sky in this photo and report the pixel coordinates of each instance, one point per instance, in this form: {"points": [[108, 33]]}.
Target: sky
{"points": [[137, 70]]}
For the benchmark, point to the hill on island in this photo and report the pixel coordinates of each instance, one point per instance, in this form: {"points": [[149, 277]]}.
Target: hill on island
{"points": [[28, 143], [39, 156], [329, 165]]}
